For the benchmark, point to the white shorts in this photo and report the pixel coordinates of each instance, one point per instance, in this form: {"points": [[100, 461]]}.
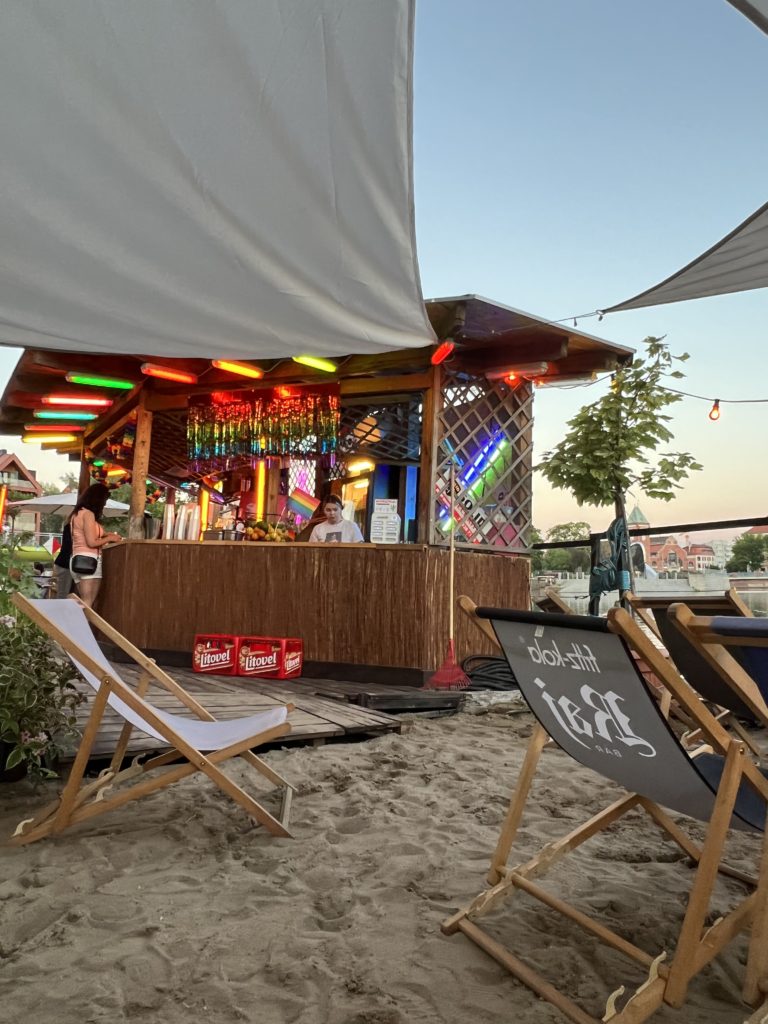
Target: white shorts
{"points": [[78, 577]]}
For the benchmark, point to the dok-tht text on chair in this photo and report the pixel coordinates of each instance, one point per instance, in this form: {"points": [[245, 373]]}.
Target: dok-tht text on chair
{"points": [[582, 683], [202, 744]]}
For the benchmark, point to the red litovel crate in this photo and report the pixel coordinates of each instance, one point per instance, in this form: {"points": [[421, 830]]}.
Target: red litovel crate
{"points": [[215, 653], [269, 657]]}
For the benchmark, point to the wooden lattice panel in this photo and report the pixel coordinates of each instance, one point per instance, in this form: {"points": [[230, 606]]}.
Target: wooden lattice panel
{"points": [[485, 432]]}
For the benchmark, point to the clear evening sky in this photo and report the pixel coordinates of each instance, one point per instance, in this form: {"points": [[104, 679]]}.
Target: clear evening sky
{"points": [[571, 153]]}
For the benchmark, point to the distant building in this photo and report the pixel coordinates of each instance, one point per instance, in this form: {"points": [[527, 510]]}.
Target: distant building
{"points": [[22, 483], [666, 554]]}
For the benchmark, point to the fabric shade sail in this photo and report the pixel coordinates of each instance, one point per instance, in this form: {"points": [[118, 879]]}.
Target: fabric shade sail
{"points": [[208, 180], [738, 263], [755, 10]]}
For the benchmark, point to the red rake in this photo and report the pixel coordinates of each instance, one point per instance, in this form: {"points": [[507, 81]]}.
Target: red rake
{"points": [[450, 676]]}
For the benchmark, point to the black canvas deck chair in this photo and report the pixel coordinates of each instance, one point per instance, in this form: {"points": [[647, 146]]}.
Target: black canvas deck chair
{"points": [[579, 677], [201, 743]]}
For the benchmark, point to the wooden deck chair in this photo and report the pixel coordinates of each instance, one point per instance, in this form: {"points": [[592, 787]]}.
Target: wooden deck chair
{"points": [[552, 602], [203, 744], [690, 662], [733, 649], [583, 685]]}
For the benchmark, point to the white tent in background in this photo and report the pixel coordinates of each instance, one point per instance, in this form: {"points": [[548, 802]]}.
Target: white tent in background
{"points": [[62, 505], [738, 262], [214, 180]]}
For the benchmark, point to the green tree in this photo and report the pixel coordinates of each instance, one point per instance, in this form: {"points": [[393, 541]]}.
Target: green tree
{"points": [[537, 557], [577, 558], [558, 560], [609, 447], [71, 482], [749, 552]]}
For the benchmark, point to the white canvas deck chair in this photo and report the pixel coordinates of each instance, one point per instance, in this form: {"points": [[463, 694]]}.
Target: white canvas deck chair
{"points": [[581, 682], [201, 743]]}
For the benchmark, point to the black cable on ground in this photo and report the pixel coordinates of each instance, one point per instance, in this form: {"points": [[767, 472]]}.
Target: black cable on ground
{"points": [[487, 673]]}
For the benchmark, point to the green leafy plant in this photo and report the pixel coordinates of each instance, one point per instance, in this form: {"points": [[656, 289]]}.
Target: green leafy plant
{"points": [[37, 692], [607, 450]]}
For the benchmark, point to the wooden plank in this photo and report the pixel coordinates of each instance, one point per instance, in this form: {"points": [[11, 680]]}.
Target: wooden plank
{"points": [[315, 718]]}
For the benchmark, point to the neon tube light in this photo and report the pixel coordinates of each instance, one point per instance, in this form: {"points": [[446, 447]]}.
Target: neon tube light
{"points": [[48, 438], [316, 364], [67, 414], [241, 369], [442, 352], [260, 484], [68, 428], [205, 500], [168, 373], [95, 403], [89, 381]]}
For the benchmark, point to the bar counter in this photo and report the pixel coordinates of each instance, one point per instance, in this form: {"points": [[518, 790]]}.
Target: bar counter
{"points": [[365, 612]]}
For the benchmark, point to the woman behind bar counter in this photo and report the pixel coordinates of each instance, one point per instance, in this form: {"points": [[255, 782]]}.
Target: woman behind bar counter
{"points": [[335, 529]]}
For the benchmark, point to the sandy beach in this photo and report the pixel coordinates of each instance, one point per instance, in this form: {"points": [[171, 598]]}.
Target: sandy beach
{"points": [[177, 909]]}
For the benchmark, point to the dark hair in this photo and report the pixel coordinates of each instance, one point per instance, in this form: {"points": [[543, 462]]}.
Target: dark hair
{"points": [[94, 498], [334, 499]]}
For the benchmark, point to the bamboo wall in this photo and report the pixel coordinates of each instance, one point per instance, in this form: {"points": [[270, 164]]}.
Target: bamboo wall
{"points": [[350, 604]]}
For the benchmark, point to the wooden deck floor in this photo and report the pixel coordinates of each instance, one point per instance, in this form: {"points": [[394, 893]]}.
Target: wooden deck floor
{"points": [[315, 719]]}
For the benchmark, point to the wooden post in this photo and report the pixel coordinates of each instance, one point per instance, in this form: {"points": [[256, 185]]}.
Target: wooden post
{"points": [[85, 472], [141, 450], [430, 415]]}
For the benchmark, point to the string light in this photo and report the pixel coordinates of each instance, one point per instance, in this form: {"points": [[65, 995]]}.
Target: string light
{"points": [[241, 369], [714, 412], [316, 364]]}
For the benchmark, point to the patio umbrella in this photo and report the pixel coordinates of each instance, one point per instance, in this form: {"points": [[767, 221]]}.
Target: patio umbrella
{"points": [[62, 505]]}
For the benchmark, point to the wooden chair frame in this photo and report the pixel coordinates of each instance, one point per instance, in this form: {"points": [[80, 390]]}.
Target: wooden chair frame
{"points": [[668, 978], [80, 801]]}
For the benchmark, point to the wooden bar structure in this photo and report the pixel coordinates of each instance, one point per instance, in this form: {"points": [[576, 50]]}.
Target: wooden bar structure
{"points": [[362, 611]]}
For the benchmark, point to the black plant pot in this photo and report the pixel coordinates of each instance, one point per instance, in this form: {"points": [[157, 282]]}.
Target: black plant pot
{"points": [[15, 774]]}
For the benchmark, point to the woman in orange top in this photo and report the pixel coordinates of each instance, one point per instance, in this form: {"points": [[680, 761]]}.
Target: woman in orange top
{"points": [[88, 538]]}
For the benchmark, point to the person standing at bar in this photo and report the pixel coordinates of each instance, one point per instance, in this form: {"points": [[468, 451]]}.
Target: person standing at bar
{"points": [[335, 529], [88, 539]]}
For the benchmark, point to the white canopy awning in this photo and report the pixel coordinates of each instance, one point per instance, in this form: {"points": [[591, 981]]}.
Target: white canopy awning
{"points": [[187, 178], [62, 505]]}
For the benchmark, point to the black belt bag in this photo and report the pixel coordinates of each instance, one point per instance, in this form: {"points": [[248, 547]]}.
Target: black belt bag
{"points": [[84, 565]]}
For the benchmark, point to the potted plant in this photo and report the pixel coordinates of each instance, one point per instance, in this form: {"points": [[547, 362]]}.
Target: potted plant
{"points": [[38, 696]]}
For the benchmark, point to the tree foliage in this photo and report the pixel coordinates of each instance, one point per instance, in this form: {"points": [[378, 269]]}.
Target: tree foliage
{"points": [[607, 450], [749, 552], [568, 559]]}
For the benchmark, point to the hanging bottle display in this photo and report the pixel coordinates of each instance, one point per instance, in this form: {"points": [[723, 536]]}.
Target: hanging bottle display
{"points": [[227, 427]]}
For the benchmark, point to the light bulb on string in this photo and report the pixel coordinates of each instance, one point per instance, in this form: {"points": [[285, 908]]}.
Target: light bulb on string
{"points": [[714, 412]]}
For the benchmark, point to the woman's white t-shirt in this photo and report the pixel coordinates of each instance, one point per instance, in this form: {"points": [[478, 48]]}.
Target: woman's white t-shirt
{"points": [[338, 533]]}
